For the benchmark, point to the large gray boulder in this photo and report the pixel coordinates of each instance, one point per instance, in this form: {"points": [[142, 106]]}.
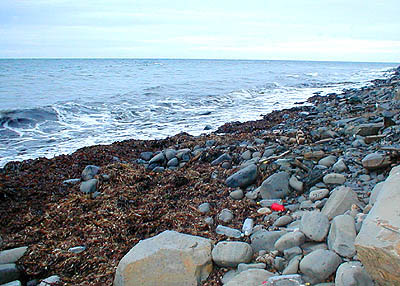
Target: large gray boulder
{"points": [[251, 277], [275, 186], [342, 235], [319, 265], [340, 201], [378, 242], [352, 274], [315, 225], [243, 177], [231, 253], [265, 240], [170, 258]]}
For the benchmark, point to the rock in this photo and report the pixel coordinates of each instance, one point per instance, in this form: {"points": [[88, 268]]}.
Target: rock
{"points": [[158, 159], [285, 280], [293, 265], [170, 154], [243, 266], [230, 232], [251, 277], [89, 172], [13, 283], [77, 249], [275, 186], [207, 127], [327, 161], [89, 186], [319, 265], [375, 192], [228, 276], [12, 255], [237, 194], [342, 235], [283, 220], [170, 258], [173, 162], [316, 155], [52, 280], [231, 253], [378, 241], [317, 195], [264, 211], [339, 166], [340, 201], [209, 221], [146, 155], [225, 215], [368, 129], [290, 240], [296, 184], [246, 155], [352, 274], [292, 252], [309, 247], [204, 208], [223, 158], [279, 263], [375, 161], [315, 225], [334, 178], [243, 178], [8, 273], [71, 182], [265, 240]]}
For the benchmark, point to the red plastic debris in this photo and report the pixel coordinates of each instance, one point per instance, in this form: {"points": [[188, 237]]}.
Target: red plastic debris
{"points": [[277, 207]]}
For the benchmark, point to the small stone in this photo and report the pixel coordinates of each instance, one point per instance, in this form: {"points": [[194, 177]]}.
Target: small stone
{"points": [[285, 280], [318, 194], [225, 215], [223, 158], [290, 240], [375, 161], [327, 161], [334, 178], [315, 225], [339, 166], [251, 277], [243, 266], [173, 162], [204, 208], [77, 249], [264, 211], [309, 247], [89, 172], [237, 194], [52, 280], [71, 182], [283, 221], [265, 240], [170, 154], [292, 252], [231, 253], [146, 155], [209, 220], [158, 159], [296, 184], [89, 186], [243, 178], [246, 155]]}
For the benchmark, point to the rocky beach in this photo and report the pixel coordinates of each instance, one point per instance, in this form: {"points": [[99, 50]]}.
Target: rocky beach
{"points": [[304, 196]]}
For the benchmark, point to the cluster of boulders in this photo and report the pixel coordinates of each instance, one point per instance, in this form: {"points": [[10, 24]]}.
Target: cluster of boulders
{"points": [[326, 168]]}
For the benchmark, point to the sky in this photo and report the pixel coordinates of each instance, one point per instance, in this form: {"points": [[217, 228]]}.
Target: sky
{"points": [[331, 30]]}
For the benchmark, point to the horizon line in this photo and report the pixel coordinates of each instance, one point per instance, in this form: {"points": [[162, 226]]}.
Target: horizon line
{"points": [[199, 59]]}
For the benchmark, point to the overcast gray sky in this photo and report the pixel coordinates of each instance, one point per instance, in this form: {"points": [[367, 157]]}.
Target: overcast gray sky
{"points": [[337, 30]]}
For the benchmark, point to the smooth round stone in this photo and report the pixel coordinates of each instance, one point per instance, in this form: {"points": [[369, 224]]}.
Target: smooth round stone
{"points": [[237, 194], [318, 194], [283, 220], [264, 211], [334, 179], [204, 208], [225, 215]]}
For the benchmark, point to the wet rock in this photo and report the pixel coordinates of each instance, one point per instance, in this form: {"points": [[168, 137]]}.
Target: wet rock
{"points": [[315, 225], [8, 273], [89, 172], [243, 178], [231, 253], [375, 161], [319, 265], [237, 194], [170, 257], [352, 273], [275, 186], [342, 235], [225, 215], [378, 241], [340, 201], [251, 277], [290, 240], [89, 186], [265, 240], [12, 255], [334, 179]]}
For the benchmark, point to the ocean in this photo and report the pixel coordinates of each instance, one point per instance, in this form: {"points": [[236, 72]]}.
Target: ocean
{"points": [[55, 106]]}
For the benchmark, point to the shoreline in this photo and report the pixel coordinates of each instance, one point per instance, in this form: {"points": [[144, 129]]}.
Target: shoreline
{"points": [[137, 201]]}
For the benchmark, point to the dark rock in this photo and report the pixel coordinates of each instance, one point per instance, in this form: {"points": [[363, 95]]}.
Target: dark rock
{"points": [[243, 178]]}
